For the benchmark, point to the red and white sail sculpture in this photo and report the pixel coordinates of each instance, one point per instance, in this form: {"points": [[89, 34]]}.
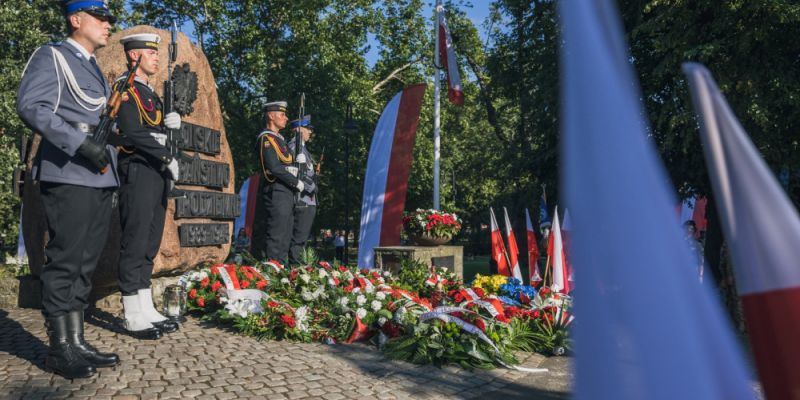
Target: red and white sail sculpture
{"points": [[386, 179]]}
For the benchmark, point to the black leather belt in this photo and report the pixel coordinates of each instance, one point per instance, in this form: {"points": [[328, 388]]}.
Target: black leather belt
{"points": [[83, 127]]}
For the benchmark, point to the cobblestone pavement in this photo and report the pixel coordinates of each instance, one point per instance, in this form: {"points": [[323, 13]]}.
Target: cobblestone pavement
{"points": [[207, 362]]}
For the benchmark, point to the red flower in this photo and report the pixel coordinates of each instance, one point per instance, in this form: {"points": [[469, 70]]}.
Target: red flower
{"points": [[193, 293], [364, 271], [260, 285], [349, 288], [325, 264], [272, 304], [244, 284], [288, 321], [204, 282], [524, 298], [293, 275], [336, 281], [502, 318], [479, 292], [375, 274], [215, 270], [342, 268], [479, 323], [545, 291], [215, 286], [536, 314], [201, 301], [458, 314]]}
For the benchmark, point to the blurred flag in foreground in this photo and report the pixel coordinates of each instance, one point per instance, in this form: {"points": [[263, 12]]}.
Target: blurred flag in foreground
{"points": [[647, 330], [763, 229]]}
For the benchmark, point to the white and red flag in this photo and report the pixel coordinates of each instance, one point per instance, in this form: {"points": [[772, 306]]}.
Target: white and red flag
{"points": [[555, 249], [386, 178], [567, 240], [513, 249], [533, 251], [447, 59], [762, 227], [499, 254]]}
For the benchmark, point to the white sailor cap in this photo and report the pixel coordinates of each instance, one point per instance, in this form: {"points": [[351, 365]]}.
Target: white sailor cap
{"points": [[276, 106], [141, 41]]}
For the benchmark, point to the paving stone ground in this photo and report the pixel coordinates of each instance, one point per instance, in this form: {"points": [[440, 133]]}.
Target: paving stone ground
{"points": [[206, 362]]}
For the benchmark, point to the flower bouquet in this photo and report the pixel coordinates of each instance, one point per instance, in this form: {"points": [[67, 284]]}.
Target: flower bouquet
{"points": [[431, 227]]}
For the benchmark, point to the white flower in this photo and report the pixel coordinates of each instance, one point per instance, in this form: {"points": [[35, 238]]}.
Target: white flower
{"points": [[239, 307], [285, 281], [376, 305], [300, 318], [305, 278], [307, 296], [380, 295], [361, 313], [381, 321], [343, 301], [387, 274], [322, 272], [361, 299], [369, 289], [357, 290], [336, 274]]}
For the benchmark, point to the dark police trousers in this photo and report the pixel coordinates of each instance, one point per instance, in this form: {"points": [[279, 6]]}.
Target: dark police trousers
{"points": [[142, 207], [78, 220], [279, 204], [303, 219]]}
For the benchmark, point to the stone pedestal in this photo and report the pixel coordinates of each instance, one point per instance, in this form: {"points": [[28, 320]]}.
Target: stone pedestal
{"points": [[450, 257]]}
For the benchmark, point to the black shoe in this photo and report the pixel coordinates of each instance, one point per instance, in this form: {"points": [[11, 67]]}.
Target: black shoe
{"points": [[166, 326], [145, 334], [75, 337], [64, 359]]}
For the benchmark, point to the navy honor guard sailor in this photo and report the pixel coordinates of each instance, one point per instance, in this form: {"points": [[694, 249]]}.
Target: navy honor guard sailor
{"points": [[61, 96], [281, 182], [145, 163]]}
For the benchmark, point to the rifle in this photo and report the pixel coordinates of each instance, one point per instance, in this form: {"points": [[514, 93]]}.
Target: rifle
{"points": [[169, 106], [109, 115], [298, 137]]}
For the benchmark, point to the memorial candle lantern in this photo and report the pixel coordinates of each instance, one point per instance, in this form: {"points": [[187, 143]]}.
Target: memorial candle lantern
{"points": [[174, 302]]}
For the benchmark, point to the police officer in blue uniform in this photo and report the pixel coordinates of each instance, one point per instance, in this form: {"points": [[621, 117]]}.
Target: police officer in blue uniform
{"points": [[306, 208], [61, 96], [281, 182], [145, 164]]}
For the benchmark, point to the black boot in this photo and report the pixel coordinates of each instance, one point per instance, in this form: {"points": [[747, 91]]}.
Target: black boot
{"points": [[94, 357], [64, 359]]}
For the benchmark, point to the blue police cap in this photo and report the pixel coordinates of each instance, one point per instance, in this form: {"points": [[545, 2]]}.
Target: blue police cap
{"points": [[305, 122], [97, 8]]}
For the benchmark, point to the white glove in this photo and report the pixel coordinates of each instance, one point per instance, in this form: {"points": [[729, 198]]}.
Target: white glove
{"points": [[172, 120], [292, 170], [161, 138], [172, 167], [300, 186], [301, 158]]}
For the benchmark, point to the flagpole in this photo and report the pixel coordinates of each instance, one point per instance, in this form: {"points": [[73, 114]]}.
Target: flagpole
{"points": [[436, 122]]}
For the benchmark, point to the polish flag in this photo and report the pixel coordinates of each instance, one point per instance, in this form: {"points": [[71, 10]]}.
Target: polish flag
{"points": [[513, 250], [386, 178], [248, 198], [762, 227], [567, 240], [498, 247], [533, 252], [447, 59], [555, 250]]}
